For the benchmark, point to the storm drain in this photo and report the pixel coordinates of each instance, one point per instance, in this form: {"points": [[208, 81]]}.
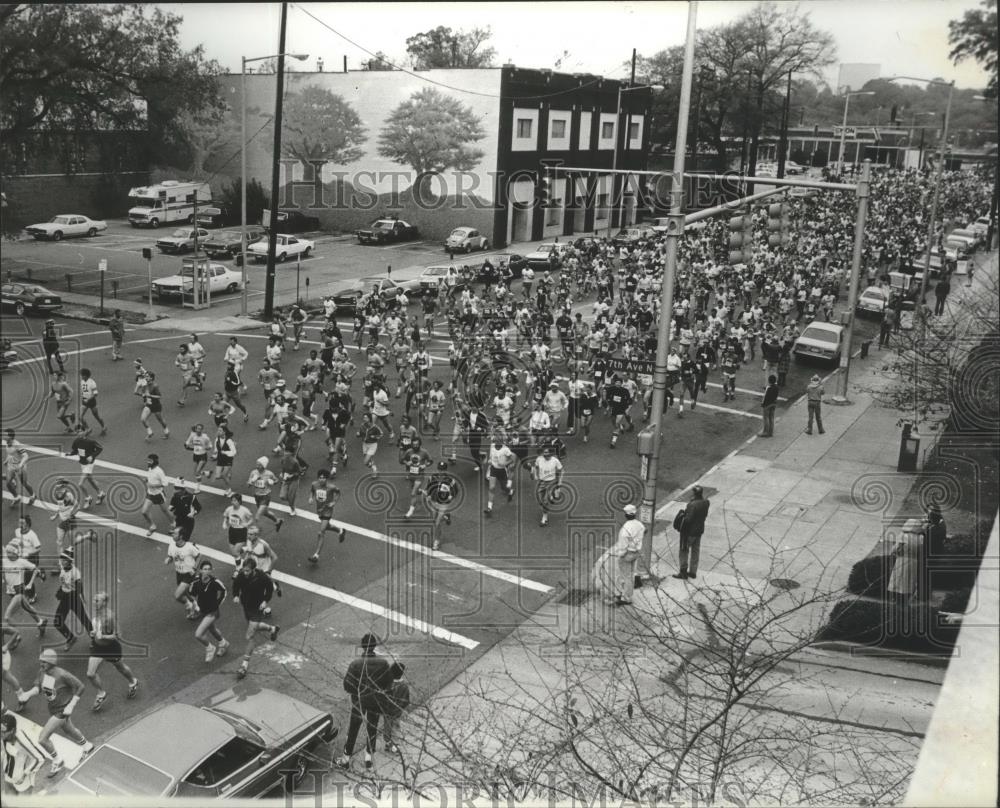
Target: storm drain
{"points": [[784, 583]]}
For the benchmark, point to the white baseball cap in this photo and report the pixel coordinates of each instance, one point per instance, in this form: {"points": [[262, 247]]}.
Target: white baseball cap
{"points": [[629, 509]]}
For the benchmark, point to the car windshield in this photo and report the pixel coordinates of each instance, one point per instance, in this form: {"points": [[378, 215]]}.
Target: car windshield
{"points": [[382, 224], [544, 248], [461, 231], [180, 233], [820, 335], [36, 290], [872, 293], [60, 220], [143, 201], [436, 271], [109, 772]]}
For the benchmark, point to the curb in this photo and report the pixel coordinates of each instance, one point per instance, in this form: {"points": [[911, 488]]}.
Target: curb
{"points": [[861, 650]]}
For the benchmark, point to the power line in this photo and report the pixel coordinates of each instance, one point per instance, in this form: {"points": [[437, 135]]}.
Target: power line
{"points": [[440, 83]]}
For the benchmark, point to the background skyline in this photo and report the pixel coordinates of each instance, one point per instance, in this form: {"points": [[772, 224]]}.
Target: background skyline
{"points": [[574, 36]]}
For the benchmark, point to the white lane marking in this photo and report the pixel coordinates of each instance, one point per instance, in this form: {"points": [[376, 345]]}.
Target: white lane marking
{"points": [[91, 350], [743, 390], [458, 561], [285, 578]]}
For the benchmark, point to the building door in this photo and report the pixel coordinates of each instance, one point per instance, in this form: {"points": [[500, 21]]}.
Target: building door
{"points": [[521, 196]]}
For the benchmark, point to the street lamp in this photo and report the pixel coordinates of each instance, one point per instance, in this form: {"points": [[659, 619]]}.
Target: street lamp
{"points": [[843, 130], [243, 170], [614, 157]]}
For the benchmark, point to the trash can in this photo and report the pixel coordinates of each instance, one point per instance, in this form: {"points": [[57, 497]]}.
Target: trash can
{"points": [[865, 347], [909, 449]]}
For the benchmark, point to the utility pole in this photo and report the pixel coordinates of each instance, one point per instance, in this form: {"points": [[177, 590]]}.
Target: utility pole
{"points": [[783, 140], [272, 235], [675, 229]]}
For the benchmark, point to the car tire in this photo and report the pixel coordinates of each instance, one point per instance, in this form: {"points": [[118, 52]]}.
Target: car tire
{"points": [[154, 223], [232, 288], [20, 309], [486, 245], [306, 251], [57, 236], [92, 232], [281, 257], [468, 248], [190, 219]]}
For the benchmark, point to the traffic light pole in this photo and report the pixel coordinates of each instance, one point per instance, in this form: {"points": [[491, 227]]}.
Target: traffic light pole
{"points": [[675, 228]]}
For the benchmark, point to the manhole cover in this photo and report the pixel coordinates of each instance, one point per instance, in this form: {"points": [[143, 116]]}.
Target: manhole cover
{"points": [[784, 583], [576, 597]]}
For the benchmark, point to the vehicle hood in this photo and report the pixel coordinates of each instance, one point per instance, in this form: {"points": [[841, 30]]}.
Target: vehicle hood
{"points": [[45, 226], [173, 280], [273, 715], [173, 239]]}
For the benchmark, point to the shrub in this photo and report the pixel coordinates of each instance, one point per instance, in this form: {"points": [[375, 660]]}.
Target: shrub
{"points": [[956, 600], [910, 628], [870, 576]]}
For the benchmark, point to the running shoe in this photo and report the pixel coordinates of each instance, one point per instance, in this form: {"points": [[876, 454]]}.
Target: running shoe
{"points": [[133, 688], [99, 702], [41, 628], [242, 670], [101, 497], [343, 535], [56, 767], [447, 518], [210, 653], [274, 632], [87, 747], [70, 642], [278, 524], [314, 558], [223, 647]]}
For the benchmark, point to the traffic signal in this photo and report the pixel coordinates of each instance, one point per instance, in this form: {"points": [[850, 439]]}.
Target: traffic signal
{"points": [[741, 238], [545, 190], [778, 224]]}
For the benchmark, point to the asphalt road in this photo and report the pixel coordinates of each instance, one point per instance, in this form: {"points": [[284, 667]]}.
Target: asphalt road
{"points": [[491, 571]]}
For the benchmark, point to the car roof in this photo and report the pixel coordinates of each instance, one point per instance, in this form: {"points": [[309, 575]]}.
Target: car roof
{"points": [[148, 738], [824, 327]]}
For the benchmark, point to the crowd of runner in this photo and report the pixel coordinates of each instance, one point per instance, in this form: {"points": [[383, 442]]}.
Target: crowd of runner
{"points": [[503, 372]]}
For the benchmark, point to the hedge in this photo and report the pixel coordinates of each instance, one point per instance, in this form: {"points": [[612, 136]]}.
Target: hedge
{"points": [[910, 628]]}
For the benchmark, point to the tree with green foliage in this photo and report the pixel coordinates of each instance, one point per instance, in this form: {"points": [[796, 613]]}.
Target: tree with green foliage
{"points": [[321, 125], [257, 198], [430, 132], [975, 36], [83, 67], [443, 47]]}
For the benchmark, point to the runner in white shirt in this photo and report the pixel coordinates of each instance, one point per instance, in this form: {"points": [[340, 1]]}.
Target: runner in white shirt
{"points": [[235, 354], [30, 548], [502, 459], [88, 399], [184, 554], [15, 469], [547, 470], [18, 575], [156, 485]]}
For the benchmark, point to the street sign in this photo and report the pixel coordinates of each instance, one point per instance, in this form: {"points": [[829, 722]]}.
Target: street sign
{"points": [[641, 366], [646, 514], [846, 131], [102, 265], [644, 467]]}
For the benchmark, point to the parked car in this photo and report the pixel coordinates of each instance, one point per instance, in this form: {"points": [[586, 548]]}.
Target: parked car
{"points": [[216, 217], [181, 240], [384, 231], [347, 295], [584, 243], [285, 247], [969, 233], [820, 341], [981, 226], [28, 297], [65, 225], [234, 745], [487, 272], [958, 248], [792, 168], [539, 258], [226, 243], [628, 236], [290, 221], [222, 279], [872, 300], [446, 275], [466, 239]]}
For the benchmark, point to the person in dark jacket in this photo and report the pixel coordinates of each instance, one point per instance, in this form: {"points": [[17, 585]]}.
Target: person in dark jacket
{"points": [[692, 527], [768, 405], [368, 681], [253, 589], [941, 292], [50, 344]]}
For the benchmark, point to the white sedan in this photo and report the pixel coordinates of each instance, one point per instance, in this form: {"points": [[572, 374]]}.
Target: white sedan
{"points": [[65, 225], [873, 300], [221, 279], [287, 247], [820, 341]]}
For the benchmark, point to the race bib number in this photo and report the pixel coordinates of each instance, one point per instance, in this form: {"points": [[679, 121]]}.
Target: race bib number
{"points": [[234, 521], [321, 495]]}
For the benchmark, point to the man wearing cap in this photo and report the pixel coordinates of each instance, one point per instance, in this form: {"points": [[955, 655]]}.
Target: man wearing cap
{"points": [[692, 528], [368, 681], [62, 692], [555, 404], [21, 756], [626, 553], [814, 401], [262, 481]]}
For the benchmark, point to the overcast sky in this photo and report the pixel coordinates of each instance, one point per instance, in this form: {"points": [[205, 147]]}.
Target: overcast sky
{"points": [[906, 37]]}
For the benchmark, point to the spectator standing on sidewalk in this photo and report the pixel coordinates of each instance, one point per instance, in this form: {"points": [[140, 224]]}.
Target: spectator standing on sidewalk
{"points": [[615, 570], [692, 528], [768, 406], [941, 292], [887, 326], [814, 396]]}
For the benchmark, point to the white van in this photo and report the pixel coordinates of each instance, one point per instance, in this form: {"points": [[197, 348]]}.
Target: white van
{"points": [[168, 201]]}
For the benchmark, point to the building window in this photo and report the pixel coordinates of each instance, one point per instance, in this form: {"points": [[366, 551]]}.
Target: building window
{"points": [[633, 131], [559, 129], [607, 130], [524, 127]]}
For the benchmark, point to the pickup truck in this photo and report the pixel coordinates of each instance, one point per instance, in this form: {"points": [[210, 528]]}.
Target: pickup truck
{"points": [[384, 231], [216, 217], [286, 247], [181, 240]]}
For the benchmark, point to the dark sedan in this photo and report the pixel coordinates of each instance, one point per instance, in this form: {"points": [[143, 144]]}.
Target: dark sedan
{"points": [[226, 243], [238, 744], [488, 270], [29, 297]]}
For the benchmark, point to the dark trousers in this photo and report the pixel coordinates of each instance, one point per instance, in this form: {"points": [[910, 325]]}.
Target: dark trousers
{"points": [[815, 412], [883, 335], [939, 305], [768, 429], [574, 406], [370, 718], [74, 604], [690, 551]]}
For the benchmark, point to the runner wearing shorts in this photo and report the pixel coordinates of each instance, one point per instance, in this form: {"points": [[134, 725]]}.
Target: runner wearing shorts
{"points": [[501, 460], [71, 599], [369, 434], [220, 409], [439, 495], [547, 470], [262, 481], [416, 463], [200, 445], [62, 692], [60, 390], [224, 454], [263, 554], [152, 400], [88, 400], [253, 589], [67, 507], [190, 377], [209, 593], [86, 451], [29, 547], [156, 485], [184, 554], [106, 646], [325, 494], [15, 468], [235, 521], [19, 575]]}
